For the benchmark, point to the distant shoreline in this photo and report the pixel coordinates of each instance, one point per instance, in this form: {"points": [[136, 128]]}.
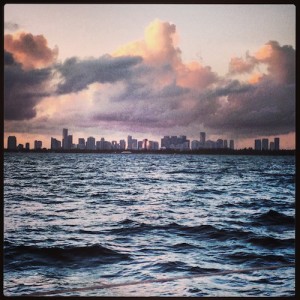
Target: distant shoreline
{"points": [[189, 152]]}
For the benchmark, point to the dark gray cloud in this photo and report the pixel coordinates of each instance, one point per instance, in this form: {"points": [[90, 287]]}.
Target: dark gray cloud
{"points": [[281, 62], [22, 89], [11, 26], [265, 109], [77, 74]]}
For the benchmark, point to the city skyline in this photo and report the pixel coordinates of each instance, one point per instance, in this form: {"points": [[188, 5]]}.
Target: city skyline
{"points": [[159, 69], [167, 142]]}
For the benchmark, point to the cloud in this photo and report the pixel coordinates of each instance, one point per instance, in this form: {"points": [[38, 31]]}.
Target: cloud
{"points": [[238, 65], [265, 109], [31, 51], [76, 74], [23, 89], [157, 47], [11, 26], [280, 61], [146, 86]]}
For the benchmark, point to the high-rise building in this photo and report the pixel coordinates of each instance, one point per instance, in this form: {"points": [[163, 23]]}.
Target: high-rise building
{"points": [[202, 139], [12, 143], [231, 144], [69, 142], [91, 143], [55, 144], [276, 144], [145, 144], [134, 144], [257, 144], [220, 144], [140, 145], [129, 142], [37, 145], [195, 145], [165, 142], [123, 144], [65, 138], [27, 146], [81, 144], [265, 144], [225, 144]]}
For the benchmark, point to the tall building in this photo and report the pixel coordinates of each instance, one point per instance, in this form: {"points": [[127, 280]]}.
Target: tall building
{"points": [[91, 143], [140, 145], [276, 144], [202, 139], [27, 146], [231, 144], [12, 143], [165, 142], [55, 144], [81, 144], [65, 138], [123, 144], [69, 142], [134, 144], [220, 144], [195, 145], [225, 144], [145, 144], [265, 144], [37, 145], [129, 142], [257, 145]]}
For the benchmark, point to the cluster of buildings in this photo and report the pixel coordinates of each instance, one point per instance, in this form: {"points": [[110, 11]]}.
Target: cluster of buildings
{"points": [[92, 144], [264, 144], [167, 143], [12, 144]]}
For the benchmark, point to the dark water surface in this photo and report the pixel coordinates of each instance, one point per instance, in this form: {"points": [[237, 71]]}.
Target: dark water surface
{"points": [[78, 220]]}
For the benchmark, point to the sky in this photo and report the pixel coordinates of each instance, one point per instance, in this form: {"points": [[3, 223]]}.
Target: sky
{"points": [[149, 71]]}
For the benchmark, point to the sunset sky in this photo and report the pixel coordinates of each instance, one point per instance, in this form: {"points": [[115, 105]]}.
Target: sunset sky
{"points": [[149, 71]]}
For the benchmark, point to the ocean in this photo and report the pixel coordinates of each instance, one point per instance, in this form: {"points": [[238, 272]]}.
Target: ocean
{"points": [[148, 225]]}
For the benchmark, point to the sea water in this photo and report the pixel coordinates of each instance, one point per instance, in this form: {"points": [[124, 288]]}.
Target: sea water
{"points": [[78, 221]]}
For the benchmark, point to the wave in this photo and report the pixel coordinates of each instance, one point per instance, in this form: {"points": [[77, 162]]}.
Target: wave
{"points": [[202, 231], [256, 258], [272, 217], [270, 242], [63, 255]]}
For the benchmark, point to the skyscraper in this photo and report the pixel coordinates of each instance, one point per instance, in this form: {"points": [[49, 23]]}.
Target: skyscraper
{"points": [[225, 144], [37, 145], [231, 144], [12, 143], [257, 145], [69, 142], [265, 144], [55, 144], [91, 143], [81, 144], [65, 138], [202, 139], [129, 142], [276, 144], [122, 144]]}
